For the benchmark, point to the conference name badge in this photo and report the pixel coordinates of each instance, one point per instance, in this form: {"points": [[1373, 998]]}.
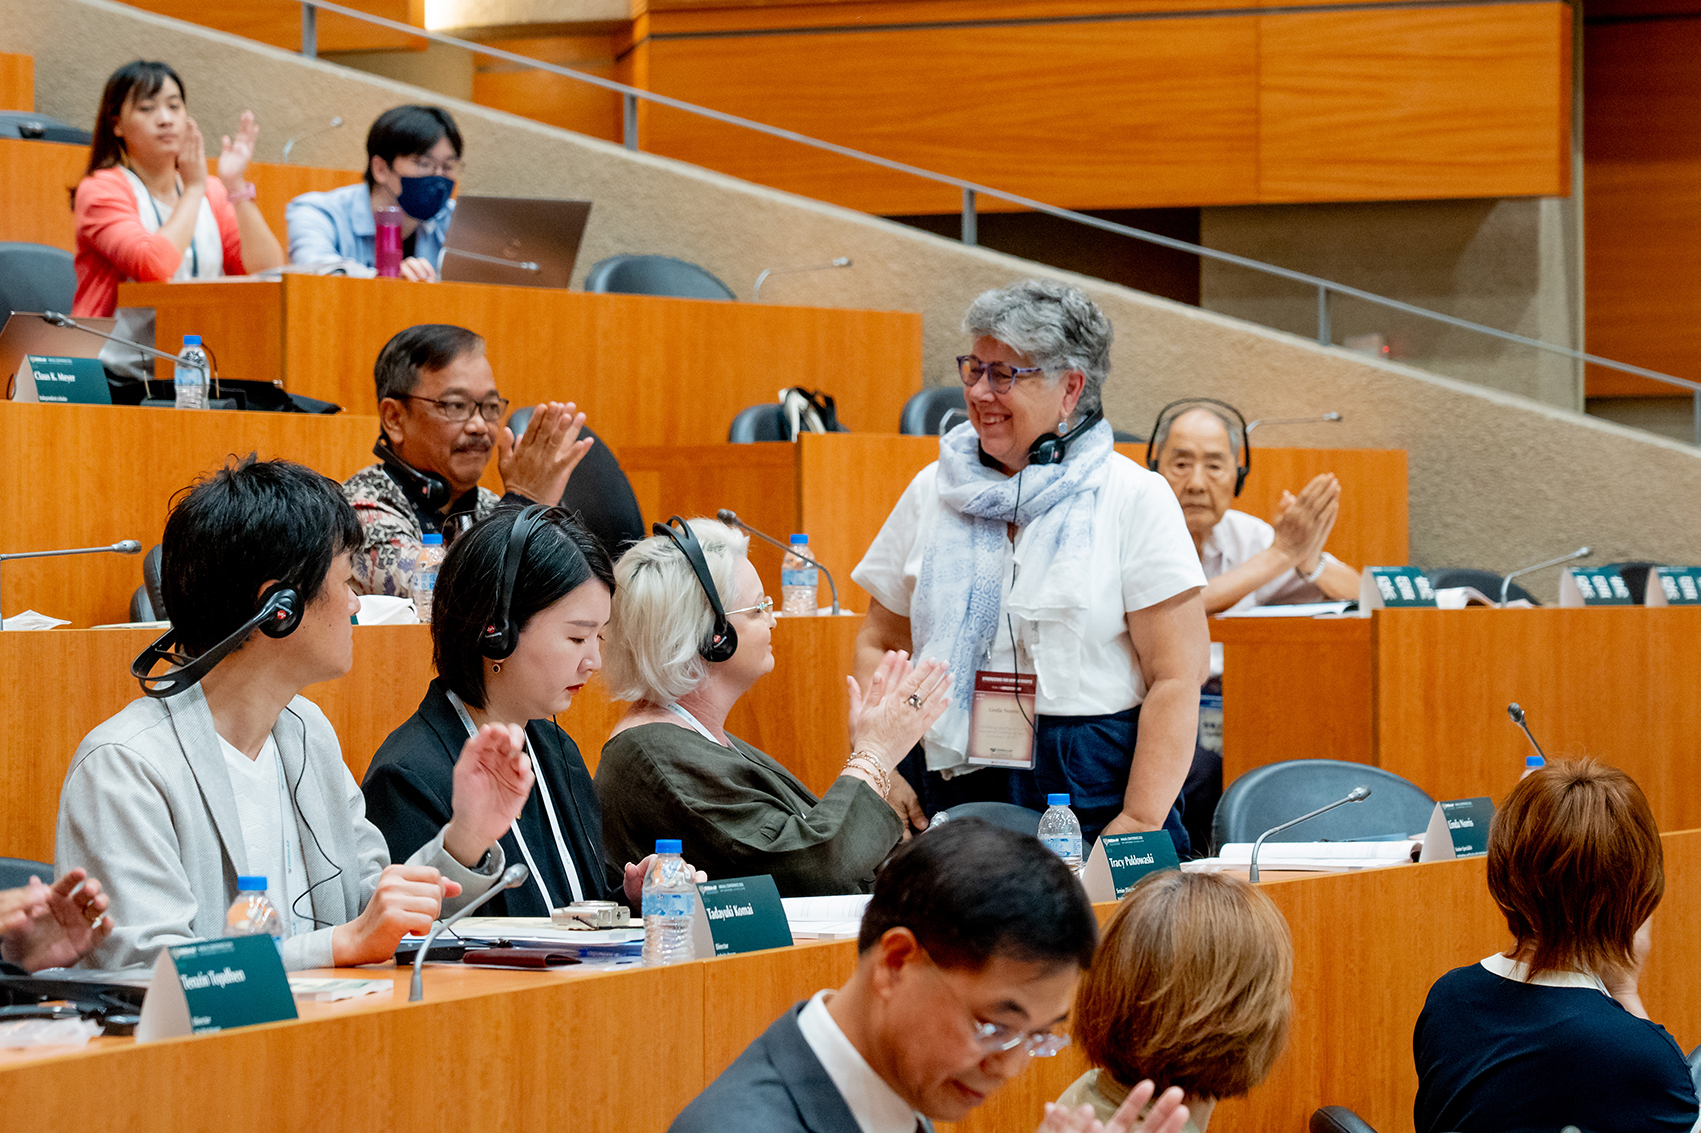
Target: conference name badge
{"points": [[1001, 720], [1119, 861], [1458, 828], [739, 914], [1674, 586], [1394, 588], [214, 985], [1593, 586]]}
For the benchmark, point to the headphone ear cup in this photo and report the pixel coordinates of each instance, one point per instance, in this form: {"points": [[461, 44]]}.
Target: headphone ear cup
{"points": [[494, 643], [282, 607], [1240, 479], [720, 645]]}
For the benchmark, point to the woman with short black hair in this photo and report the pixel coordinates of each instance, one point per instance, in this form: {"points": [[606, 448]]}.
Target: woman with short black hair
{"points": [[413, 160], [557, 607]]}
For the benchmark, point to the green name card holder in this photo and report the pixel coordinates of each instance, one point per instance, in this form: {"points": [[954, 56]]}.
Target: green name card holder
{"points": [[739, 914], [1394, 588], [80, 381], [1458, 828], [214, 985], [1673, 586], [1593, 586], [1119, 861]]}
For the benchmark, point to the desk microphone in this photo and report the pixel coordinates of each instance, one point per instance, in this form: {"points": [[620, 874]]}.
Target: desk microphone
{"points": [[730, 518], [1357, 794], [122, 547], [1326, 418], [290, 144], [517, 265], [1517, 714], [1506, 583], [512, 876], [756, 292], [60, 320]]}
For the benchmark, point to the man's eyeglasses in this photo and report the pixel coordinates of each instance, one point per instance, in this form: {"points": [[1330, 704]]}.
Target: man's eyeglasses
{"points": [[999, 375], [427, 167], [765, 606], [996, 1038], [459, 409]]}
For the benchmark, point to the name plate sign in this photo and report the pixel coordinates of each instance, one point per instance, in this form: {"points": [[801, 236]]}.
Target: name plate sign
{"points": [[1119, 861], [1593, 586], [1673, 586], [78, 380], [1458, 828], [214, 985], [1395, 588], [739, 914]]}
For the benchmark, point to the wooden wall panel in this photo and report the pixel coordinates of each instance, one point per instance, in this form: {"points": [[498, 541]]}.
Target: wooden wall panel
{"points": [[17, 82], [278, 22], [1642, 210], [1413, 104], [550, 98], [1371, 529]]}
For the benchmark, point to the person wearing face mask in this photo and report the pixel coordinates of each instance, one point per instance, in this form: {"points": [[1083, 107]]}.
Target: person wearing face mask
{"points": [[1053, 576], [413, 159], [147, 210], [557, 609]]}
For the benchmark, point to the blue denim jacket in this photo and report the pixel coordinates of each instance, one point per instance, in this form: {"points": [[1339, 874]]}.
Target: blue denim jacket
{"points": [[337, 225]]}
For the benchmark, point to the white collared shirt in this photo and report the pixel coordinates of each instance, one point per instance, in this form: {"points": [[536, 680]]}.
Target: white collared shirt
{"points": [[875, 1105], [1236, 538], [1519, 972]]}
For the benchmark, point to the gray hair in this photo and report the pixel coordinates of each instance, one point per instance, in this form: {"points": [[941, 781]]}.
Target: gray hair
{"points": [[1237, 442], [661, 615], [1053, 324]]}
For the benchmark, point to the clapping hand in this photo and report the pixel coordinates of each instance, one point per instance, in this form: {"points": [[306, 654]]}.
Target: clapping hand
{"points": [[1167, 1115], [633, 882], [234, 155], [493, 778], [901, 704], [53, 926], [538, 465]]}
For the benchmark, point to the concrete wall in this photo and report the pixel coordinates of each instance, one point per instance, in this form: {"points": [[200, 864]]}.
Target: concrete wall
{"points": [[1496, 479]]}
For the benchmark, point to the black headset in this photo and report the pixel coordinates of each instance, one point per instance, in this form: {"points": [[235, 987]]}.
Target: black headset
{"points": [[423, 488], [499, 638], [1051, 448], [279, 614], [1243, 465], [722, 641]]}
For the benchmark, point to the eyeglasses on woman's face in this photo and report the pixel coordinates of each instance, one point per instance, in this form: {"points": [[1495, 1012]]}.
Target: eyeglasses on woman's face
{"points": [[764, 607], [1000, 376]]}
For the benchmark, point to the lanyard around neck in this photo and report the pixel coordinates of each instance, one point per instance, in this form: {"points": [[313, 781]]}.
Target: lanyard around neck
{"points": [[548, 809], [159, 222], [685, 715]]}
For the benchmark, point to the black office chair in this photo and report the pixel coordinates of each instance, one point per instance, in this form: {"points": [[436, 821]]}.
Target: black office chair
{"points": [[1339, 1119], [1635, 575], [142, 610], [933, 412], [655, 275], [16, 872], [759, 423], [1277, 792], [151, 584], [1008, 815], [39, 127], [598, 493], [35, 277], [1117, 436], [1484, 580]]}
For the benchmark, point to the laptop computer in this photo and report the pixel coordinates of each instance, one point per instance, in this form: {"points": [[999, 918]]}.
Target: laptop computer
{"points": [[517, 241]]}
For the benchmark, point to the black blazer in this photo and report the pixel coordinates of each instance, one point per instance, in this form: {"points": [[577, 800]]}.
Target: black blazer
{"points": [[776, 1086], [410, 785]]}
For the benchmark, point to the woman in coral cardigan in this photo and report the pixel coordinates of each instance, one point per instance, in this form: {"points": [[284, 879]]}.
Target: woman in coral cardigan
{"points": [[147, 210]]}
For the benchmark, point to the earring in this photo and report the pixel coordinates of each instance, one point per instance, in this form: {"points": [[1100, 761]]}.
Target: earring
{"points": [[496, 668]]}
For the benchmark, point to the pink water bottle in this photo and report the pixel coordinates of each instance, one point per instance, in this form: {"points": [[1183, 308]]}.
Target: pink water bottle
{"points": [[387, 245]]}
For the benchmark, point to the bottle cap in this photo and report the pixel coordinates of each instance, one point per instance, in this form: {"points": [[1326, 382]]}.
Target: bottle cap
{"points": [[433, 539], [1533, 760], [1057, 800], [669, 846], [191, 340], [799, 538], [249, 884]]}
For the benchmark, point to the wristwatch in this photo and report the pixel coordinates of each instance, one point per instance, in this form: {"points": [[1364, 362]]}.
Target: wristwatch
{"points": [[1312, 576]]}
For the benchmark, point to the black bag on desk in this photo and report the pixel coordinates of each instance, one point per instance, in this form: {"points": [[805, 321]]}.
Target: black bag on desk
{"points": [[255, 396]]}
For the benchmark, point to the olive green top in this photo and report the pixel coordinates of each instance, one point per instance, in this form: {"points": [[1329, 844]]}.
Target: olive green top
{"points": [[739, 813]]}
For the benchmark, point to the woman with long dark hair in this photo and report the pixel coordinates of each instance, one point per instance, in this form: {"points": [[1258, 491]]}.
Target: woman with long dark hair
{"points": [[146, 208]]}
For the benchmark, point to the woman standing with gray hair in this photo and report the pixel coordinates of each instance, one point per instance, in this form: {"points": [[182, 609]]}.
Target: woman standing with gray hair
{"points": [[1052, 576]]}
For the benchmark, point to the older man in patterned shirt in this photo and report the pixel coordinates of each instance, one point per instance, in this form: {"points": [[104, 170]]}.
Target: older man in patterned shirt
{"points": [[440, 416]]}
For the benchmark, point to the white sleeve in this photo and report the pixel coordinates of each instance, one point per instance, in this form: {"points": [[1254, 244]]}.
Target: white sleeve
{"points": [[1159, 560], [882, 571]]}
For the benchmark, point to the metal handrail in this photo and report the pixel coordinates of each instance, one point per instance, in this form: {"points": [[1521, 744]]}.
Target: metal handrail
{"points": [[972, 190]]}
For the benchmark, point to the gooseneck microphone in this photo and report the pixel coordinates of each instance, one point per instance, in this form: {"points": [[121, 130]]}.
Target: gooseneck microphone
{"points": [[756, 292], [730, 518], [290, 144], [122, 547], [1517, 714], [68, 323], [517, 265], [1324, 419], [512, 876], [1357, 794], [1506, 583]]}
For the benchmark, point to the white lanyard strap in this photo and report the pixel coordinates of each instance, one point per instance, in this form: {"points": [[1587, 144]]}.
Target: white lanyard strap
{"points": [[695, 723], [548, 809]]}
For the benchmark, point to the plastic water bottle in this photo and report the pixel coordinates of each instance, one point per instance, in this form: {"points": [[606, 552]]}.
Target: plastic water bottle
{"points": [[1060, 830], [798, 582], [425, 575], [939, 819], [1532, 764], [387, 241], [190, 380], [253, 914], [670, 902]]}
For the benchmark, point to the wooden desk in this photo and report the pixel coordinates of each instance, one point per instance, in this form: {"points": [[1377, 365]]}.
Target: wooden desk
{"points": [[840, 487], [17, 82], [796, 713], [1423, 693], [536, 1050], [647, 371]]}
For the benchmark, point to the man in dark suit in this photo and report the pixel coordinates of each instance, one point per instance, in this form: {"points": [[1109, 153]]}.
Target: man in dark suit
{"points": [[968, 956]]}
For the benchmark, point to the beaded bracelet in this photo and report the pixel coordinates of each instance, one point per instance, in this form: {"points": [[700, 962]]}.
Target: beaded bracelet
{"points": [[867, 762]]}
